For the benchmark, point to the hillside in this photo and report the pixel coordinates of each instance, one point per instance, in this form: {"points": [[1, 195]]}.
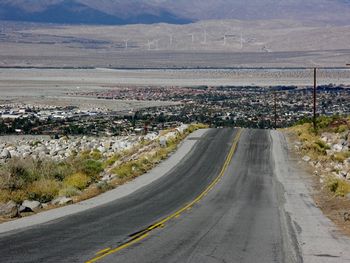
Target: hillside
{"points": [[326, 154], [77, 12], [118, 12]]}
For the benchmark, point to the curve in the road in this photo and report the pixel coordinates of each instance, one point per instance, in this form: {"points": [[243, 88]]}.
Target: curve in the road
{"points": [[138, 236], [78, 237]]}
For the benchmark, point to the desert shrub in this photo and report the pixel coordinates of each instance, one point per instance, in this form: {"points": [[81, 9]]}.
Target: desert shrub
{"points": [[52, 170], [69, 191], [17, 173], [123, 170], [322, 144], [143, 165], [96, 154], [43, 190], [324, 121], [110, 161], [78, 180], [17, 196], [341, 156], [342, 128], [338, 186], [103, 186], [91, 168], [162, 153]]}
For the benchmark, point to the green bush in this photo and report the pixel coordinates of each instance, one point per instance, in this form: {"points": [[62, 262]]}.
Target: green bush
{"points": [[96, 155], [124, 170], [77, 180], [92, 168], [112, 160]]}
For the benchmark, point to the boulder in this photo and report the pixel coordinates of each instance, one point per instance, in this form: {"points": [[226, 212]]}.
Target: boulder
{"points": [[107, 177], [31, 206], [337, 147], [62, 200], [162, 142], [5, 154], [306, 158], [10, 209], [14, 153]]}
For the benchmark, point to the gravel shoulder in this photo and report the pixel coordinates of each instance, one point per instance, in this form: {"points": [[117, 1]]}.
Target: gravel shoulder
{"points": [[318, 238], [120, 192]]}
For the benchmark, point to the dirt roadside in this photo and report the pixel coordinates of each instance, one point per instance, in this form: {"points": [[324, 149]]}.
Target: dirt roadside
{"points": [[336, 208]]}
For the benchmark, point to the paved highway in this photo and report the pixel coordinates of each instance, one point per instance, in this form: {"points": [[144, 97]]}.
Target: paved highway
{"points": [[238, 221], [234, 198]]}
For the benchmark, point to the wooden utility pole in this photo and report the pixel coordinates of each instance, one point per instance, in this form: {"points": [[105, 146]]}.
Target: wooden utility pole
{"points": [[275, 108], [315, 87]]}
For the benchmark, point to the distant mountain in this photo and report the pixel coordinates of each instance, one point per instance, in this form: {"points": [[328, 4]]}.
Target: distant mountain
{"points": [[78, 12], [171, 11]]}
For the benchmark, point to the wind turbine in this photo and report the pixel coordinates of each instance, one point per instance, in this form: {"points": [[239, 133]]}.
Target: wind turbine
{"points": [[192, 38], [171, 40], [126, 43], [157, 42], [205, 37]]}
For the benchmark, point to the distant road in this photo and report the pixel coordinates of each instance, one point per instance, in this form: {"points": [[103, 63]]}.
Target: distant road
{"points": [[214, 206]]}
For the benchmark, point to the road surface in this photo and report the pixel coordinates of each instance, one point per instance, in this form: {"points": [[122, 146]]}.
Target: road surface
{"points": [[214, 206]]}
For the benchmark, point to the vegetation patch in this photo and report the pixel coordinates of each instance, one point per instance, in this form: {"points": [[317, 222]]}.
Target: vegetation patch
{"points": [[338, 186]]}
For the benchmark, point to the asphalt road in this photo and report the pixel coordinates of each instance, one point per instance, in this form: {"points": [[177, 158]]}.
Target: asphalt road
{"points": [[240, 220], [78, 237]]}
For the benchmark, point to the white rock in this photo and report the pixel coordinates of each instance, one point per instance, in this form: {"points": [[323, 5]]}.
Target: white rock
{"points": [[14, 153], [306, 158], [108, 177], [5, 154], [337, 147], [10, 209], [62, 200], [31, 205]]}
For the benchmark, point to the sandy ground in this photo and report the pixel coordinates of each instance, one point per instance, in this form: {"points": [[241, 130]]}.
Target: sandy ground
{"points": [[53, 86]]}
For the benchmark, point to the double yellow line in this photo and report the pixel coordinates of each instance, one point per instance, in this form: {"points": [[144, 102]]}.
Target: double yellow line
{"points": [[144, 233]]}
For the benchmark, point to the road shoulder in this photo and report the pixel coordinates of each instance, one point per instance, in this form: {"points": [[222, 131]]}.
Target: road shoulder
{"points": [[317, 237]]}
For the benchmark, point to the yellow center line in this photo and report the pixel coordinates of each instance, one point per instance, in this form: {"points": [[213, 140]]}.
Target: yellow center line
{"points": [[103, 251], [118, 248], [141, 235]]}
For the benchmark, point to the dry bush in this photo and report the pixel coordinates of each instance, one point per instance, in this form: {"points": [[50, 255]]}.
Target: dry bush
{"points": [[43, 190], [338, 186]]}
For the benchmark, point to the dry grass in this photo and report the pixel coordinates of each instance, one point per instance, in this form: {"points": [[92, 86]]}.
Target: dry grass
{"points": [[43, 190], [338, 186]]}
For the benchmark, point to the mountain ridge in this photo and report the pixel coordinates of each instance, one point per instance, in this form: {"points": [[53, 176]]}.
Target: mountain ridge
{"points": [[120, 12]]}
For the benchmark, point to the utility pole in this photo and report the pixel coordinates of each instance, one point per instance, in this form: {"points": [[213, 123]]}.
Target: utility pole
{"points": [[315, 87], [275, 108]]}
